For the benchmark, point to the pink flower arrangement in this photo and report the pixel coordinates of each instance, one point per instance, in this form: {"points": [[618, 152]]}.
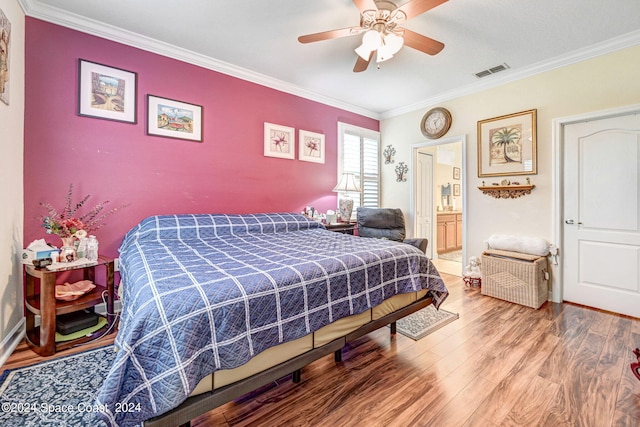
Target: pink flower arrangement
{"points": [[67, 223]]}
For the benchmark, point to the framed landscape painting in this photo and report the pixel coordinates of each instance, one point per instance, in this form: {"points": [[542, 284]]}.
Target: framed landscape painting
{"points": [[174, 119], [107, 92], [507, 145]]}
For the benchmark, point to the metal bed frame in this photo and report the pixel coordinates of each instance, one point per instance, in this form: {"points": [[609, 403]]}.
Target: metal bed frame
{"points": [[198, 405]]}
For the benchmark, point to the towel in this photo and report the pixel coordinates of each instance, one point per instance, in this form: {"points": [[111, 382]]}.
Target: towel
{"points": [[525, 245], [73, 291]]}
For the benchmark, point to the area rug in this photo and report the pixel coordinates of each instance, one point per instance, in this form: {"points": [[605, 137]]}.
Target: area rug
{"points": [[59, 392], [452, 256], [425, 321]]}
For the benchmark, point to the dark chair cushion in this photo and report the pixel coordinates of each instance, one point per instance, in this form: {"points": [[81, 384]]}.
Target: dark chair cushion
{"points": [[382, 223], [386, 223], [420, 243]]}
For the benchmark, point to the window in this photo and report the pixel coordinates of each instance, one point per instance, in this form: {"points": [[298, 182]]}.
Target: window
{"points": [[358, 153]]}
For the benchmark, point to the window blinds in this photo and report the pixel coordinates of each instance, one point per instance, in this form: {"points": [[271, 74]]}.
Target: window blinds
{"points": [[360, 156]]}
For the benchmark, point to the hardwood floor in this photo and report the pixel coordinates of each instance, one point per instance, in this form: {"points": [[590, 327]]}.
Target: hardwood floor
{"points": [[450, 267], [24, 356], [499, 364]]}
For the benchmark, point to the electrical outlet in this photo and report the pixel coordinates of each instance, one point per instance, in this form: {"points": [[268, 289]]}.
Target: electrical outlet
{"points": [[116, 264]]}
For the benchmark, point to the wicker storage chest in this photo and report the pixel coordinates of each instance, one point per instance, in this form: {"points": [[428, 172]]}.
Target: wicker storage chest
{"points": [[515, 277]]}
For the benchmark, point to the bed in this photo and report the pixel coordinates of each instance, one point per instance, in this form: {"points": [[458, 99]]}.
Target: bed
{"points": [[212, 301]]}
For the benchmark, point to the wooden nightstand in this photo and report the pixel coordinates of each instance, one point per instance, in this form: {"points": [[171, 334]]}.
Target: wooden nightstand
{"points": [[342, 227], [42, 339]]}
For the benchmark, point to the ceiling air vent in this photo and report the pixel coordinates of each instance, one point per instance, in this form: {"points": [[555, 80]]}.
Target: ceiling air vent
{"points": [[492, 70]]}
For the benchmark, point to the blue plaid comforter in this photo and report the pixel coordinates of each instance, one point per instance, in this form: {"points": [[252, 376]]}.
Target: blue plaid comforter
{"points": [[208, 292]]}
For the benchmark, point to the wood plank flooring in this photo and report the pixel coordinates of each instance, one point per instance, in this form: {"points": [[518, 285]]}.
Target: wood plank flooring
{"points": [[499, 364]]}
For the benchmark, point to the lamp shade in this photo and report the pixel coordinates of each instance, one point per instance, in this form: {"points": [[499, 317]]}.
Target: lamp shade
{"points": [[394, 42], [347, 184], [364, 52], [372, 39], [384, 53]]}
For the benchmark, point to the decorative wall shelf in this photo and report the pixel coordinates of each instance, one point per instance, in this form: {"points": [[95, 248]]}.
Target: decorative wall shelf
{"points": [[506, 191]]}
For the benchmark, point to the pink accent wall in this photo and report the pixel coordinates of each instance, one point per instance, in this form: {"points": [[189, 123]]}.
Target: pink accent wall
{"points": [[115, 161]]}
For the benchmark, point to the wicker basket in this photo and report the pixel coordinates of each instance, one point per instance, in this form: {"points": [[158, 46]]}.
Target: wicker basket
{"points": [[515, 277]]}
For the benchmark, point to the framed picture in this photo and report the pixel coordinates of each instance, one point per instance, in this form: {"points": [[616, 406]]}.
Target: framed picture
{"points": [[5, 45], [279, 141], [456, 189], [174, 119], [507, 145], [456, 173], [106, 92], [311, 147]]}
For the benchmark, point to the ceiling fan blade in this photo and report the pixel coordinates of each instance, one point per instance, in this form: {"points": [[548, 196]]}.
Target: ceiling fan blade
{"points": [[417, 7], [363, 5], [362, 64], [421, 43], [333, 34]]}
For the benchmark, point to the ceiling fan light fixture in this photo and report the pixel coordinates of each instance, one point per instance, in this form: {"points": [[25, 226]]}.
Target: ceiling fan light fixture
{"points": [[380, 31], [364, 52], [372, 39], [384, 53], [394, 42]]}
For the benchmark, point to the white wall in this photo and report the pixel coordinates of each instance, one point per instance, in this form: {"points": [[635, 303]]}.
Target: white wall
{"points": [[11, 176], [604, 82]]}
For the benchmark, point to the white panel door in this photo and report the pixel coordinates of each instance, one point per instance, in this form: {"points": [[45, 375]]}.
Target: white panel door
{"points": [[424, 199], [601, 232]]}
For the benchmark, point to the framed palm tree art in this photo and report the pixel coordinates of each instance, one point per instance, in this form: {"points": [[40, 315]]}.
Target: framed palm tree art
{"points": [[507, 145]]}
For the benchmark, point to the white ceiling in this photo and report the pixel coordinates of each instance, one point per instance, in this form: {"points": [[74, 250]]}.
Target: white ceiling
{"points": [[257, 40]]}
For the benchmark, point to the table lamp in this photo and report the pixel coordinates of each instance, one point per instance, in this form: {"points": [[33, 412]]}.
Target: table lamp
{"points": [[346, 185]]}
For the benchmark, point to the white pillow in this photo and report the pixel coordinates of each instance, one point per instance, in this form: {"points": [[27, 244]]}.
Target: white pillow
{"points": [[522, 244]]}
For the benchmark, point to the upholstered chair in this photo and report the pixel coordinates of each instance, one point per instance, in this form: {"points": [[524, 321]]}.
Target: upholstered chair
{"points": [[386, 223]]}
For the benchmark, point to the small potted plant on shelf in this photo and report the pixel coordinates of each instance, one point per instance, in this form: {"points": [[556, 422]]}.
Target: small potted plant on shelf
{"points": [[71, 226]]}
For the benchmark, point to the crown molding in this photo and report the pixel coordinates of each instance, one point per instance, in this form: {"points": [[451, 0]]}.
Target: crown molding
{"points": [[622, 42], [35, 9]]}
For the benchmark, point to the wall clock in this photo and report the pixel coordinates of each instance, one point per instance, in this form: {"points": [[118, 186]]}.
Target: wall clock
{"points": [[436, 122]]}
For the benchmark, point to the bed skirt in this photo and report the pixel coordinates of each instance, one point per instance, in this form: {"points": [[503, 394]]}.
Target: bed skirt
{"points": [[206, 401]]}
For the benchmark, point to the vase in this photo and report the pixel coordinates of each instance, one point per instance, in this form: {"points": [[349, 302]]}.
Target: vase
{"points": [[68, 250], [345, 206]]}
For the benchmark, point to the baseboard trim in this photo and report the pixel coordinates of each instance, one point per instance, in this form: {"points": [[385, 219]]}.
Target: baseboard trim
{"points": [[12, 340]]}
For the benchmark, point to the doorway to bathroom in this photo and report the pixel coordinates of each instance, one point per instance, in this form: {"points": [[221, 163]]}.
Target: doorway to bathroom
{"points": [[439, 199]]}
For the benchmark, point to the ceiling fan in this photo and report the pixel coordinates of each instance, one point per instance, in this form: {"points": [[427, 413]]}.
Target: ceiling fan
{"points": [[379, 21]]}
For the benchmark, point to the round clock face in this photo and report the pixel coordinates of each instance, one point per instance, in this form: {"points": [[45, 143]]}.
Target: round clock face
{"points": [[436, 122]]}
